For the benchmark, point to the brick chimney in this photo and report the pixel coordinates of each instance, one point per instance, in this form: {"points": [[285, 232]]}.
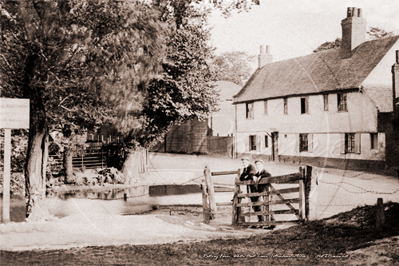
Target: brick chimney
{"points": [[264, 57], [353, 31], [395, 82]]}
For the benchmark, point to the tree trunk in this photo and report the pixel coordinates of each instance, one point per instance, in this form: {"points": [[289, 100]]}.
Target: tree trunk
{"points": [[68, 156], [36, 162], [35, 182], [45, 159]]}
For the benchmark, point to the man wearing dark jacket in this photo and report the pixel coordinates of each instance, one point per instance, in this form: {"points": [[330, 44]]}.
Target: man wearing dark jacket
{"points": [[249, 170]]}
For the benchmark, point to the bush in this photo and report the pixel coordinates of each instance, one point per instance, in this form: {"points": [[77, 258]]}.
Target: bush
{"points": [[17, 183], [116, 154]]}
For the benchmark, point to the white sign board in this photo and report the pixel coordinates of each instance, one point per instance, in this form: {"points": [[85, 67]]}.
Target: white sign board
{"points": [[14, 113]]}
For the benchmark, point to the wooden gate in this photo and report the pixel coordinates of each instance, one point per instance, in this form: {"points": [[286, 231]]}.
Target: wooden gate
{"points": [[270, 197]]}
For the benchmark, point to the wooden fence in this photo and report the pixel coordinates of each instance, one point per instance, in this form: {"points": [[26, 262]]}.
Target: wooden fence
{"points": [[267, 199], [91, 158], [209, 204]]}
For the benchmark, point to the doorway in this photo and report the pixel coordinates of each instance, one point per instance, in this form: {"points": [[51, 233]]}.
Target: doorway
{"points": [[275, 146]]}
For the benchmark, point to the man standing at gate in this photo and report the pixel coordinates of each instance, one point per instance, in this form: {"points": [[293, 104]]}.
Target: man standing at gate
{"points": [[261, 173], [249, 171]]}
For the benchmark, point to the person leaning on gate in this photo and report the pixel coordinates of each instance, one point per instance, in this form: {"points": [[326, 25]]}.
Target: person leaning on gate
{"points": [[248, 173], [261, 173]]}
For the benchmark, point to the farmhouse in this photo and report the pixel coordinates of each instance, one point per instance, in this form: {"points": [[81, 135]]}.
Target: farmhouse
{"points": [[331, 108]]}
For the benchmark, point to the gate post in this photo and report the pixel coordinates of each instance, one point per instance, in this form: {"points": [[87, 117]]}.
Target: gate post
{"points": [[302, 199], [211, 191], [236, 210], [205, 207], [311, 191]]}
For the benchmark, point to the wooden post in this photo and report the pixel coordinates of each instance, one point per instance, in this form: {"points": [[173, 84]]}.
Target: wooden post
{"points": [[308, 184], [302, 205], [236, 210], [82, 162], [6, 176], [268, 208], [379, 215], [211, 191], [205, 207], [312, 188]]}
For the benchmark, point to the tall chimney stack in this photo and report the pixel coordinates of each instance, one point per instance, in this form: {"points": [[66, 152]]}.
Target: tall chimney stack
{"points": [[264, 57], [354, 29]]}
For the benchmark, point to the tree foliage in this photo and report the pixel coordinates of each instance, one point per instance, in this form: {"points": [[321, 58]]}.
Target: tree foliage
{"points": [[79, 62], [329, 45], [373, 33], [184, 90], [140, 64], [234, 66]]}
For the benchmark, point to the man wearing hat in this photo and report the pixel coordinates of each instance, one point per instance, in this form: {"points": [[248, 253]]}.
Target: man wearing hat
{"points": [[249, 170], [261, 173]]}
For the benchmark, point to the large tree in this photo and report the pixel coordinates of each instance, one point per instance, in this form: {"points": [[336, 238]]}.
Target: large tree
{"points": [[234, 66], [79, 62], [183, 91]]}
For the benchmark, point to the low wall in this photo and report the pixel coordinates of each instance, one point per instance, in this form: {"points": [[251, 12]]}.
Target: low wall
{"points": [[347, 164]]}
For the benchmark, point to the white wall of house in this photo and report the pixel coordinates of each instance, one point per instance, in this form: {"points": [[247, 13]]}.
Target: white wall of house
{"points": [[381, 74], [327, 128]]}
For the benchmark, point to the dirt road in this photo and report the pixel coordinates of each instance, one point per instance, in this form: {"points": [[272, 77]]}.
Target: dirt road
{"points": [[96, 222]]}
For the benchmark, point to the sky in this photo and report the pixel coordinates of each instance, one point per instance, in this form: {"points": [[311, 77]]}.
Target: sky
{"points": [[294, 28]]}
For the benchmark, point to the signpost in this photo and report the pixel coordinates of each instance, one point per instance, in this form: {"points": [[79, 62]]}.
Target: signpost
{"points": [[14, 114]]}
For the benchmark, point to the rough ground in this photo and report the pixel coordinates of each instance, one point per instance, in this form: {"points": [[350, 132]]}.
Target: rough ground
{"points": [[345, 239]]}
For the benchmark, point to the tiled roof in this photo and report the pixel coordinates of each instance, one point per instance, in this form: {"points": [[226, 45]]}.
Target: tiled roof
{"points": [[315, 73], [227, 89], [381, 96]]}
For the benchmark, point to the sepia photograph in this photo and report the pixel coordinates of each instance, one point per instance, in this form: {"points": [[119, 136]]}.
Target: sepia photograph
{"points": [[199, 132]]}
